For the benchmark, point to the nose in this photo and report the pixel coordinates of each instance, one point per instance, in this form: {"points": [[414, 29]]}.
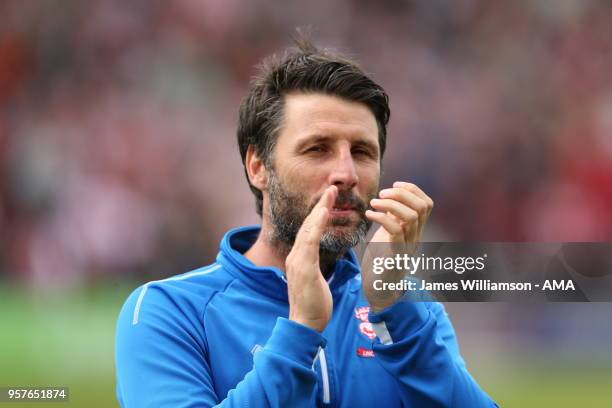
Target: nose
{"points": [[343, 173]]}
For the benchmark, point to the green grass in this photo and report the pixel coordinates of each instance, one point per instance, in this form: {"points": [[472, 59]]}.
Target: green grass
{"points": [[61, 340], [67, 339], [544, 383]]}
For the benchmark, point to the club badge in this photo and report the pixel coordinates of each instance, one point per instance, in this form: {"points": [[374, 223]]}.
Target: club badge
{"points": [[361, 313]]}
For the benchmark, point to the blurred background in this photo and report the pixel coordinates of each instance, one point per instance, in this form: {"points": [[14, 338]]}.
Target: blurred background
{"points": [[119, 165]]}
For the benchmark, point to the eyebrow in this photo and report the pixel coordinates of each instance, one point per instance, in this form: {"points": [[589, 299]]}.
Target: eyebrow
{"points": [[323, 139]]}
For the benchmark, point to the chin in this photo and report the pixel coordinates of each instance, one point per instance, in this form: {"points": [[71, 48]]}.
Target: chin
{"points": [[345, 220], [342, 223], [342, 231]]}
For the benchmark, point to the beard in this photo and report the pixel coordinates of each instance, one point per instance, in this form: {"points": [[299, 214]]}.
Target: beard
{"points": [[288, 210]]}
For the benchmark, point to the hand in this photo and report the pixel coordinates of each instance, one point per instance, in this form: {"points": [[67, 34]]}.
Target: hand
{"points": [[310, 300], [402, 212]]}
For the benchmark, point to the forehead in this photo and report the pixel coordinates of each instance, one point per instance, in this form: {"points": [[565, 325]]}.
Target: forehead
{"points": [[314, 114]]}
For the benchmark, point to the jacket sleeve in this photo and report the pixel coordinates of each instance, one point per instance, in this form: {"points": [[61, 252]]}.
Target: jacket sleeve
{"points": [[161, 360], [418, 347]]}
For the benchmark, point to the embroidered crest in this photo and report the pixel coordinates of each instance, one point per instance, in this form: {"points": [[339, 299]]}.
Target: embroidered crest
{"points": [[367, 330], [361, 313]]}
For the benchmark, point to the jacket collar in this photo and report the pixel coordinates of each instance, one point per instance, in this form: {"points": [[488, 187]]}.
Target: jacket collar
{"points": [[270, 280]]}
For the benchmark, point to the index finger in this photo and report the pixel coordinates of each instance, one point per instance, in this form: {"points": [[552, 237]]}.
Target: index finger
{"points": [[312, 228], [414, 189]]}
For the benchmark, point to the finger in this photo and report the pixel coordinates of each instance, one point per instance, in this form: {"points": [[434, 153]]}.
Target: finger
{"points": [[416, 190], [404, 213], [328, 198], [413, 188], [309, 235], [407, 198], [389, 223]]}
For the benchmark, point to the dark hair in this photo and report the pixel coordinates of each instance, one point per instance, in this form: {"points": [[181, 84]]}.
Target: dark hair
{"points": [[303, 68]]}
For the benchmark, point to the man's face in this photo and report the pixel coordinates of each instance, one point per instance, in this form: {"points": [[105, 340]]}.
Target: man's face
{"points": [[324, 141]]}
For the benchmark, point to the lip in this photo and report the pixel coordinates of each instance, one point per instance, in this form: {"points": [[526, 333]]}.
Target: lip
{"points": [[341, 212]]}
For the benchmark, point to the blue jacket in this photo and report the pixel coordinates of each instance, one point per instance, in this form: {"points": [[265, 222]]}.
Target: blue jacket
{"points": [[219, 335]]}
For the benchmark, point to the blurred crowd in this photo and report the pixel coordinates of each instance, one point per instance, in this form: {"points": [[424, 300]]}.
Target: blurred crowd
{"points": [[118, 119]]}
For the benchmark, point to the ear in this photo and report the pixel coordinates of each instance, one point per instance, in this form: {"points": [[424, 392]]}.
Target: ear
{"points": [[258, 175]]}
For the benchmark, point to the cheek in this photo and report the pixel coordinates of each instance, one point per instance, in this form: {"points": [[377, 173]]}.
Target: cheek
{"points": [[306, 177], [304, 182], [301, 167], [369, 180]]}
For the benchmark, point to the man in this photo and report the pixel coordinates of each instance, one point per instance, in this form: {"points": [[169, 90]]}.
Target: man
{"points": [[284, 317]]}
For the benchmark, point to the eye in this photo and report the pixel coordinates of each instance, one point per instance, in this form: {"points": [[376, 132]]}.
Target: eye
{"points": [[362, 152], [316, 149]]}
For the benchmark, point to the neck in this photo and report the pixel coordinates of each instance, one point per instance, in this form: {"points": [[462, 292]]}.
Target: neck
{"points": [[269, 252]]}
